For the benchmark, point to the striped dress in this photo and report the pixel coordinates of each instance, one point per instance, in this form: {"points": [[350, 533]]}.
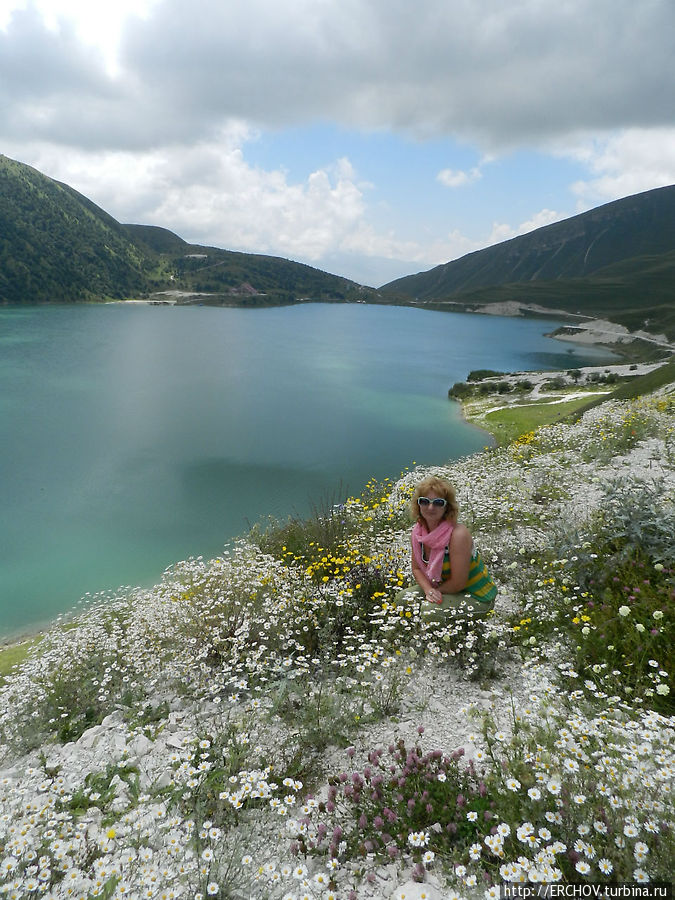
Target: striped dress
{"points": [[479, 584]]}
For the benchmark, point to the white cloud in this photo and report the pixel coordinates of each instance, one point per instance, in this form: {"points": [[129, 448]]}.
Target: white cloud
{"points": [[96, 25], [627, 163], [210, 194], [453, 178]]}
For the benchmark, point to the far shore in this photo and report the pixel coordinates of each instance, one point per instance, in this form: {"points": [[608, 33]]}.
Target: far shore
{"points": [[582, 329]]}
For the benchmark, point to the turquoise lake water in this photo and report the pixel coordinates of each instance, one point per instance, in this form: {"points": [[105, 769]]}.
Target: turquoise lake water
{"points": [[133, 437]]}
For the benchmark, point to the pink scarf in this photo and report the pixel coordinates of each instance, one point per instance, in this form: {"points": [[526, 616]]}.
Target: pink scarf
{"points": [[436, 540]]}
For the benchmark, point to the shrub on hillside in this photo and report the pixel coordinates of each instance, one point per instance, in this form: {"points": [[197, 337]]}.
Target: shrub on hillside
{"points": [[460, 390], [607, 587], [480, 374]]}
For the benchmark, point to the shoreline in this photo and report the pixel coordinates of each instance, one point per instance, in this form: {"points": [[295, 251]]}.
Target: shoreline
{"points": [[583, 329], [475, 409]]}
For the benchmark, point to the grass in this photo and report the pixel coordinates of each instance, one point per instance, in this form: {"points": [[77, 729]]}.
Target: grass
{"points": [[13, 655], [511, 422], [523, 412]]}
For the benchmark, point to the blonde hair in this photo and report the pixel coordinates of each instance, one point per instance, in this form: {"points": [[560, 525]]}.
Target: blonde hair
{"points": [[441, 487]]}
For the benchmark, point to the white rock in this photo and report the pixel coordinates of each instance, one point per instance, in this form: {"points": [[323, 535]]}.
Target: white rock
{"points": [[121, 787], [119, 742], [91, 737], [114, 719], [140, 745], [164, 780]]}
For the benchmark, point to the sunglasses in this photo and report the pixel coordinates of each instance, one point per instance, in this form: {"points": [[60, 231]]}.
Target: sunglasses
{"points": [[437, 501]]}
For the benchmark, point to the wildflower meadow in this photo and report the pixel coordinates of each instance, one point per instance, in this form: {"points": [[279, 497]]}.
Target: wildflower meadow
{"points": [[272, 724]]}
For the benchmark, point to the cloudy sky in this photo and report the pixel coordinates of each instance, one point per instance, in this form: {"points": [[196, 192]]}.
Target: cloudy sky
{"points": [[371, 138]]}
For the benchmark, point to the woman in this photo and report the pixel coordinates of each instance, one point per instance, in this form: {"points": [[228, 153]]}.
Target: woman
{"points": [[447, 567]]}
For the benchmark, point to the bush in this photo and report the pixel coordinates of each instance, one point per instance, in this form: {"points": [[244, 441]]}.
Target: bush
{"points": [[323, 532], [379, 809], [551, 797], [607, 588], [480, 374], [459, 390]]}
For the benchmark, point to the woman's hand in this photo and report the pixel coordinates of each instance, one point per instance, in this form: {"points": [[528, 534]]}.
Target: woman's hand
{"points": [[433, 595]]}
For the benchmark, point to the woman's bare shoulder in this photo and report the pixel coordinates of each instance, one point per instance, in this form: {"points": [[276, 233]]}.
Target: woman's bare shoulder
{"points": [[460, 534]]}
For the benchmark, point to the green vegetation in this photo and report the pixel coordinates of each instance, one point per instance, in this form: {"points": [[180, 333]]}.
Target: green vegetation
{"points": [[640, 384], [615, 262], [56, 246], [12, 655], [249, 279], [510, 422], [640, 297], [480, 374], [562, 397]]}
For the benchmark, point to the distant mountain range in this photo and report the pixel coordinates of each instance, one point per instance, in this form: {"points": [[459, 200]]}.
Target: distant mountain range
{"points": [[56, 246], [615, 262]]}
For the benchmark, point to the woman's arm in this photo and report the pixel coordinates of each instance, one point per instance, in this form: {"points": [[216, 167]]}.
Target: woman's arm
{"points": [[461, 547]]}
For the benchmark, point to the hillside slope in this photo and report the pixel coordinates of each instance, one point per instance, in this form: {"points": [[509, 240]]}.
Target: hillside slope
{"points": [[641, 225], [56, 246], [637, 293], [616, 261]]}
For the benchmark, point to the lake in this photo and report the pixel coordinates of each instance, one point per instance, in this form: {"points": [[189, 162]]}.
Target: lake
{"points": [[135, 436]]}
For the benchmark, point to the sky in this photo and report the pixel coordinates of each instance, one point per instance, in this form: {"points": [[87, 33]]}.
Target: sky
{"points": [[369, 138]]}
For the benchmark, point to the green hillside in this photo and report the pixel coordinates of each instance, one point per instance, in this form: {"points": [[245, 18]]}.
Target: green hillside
{"points": [[159, 240], [638, 293], [56, 246], [616, 261]]}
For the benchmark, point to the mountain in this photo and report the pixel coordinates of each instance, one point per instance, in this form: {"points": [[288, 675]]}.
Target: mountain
{"points": [[616, 261], [244, 279], [56, 246]]}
